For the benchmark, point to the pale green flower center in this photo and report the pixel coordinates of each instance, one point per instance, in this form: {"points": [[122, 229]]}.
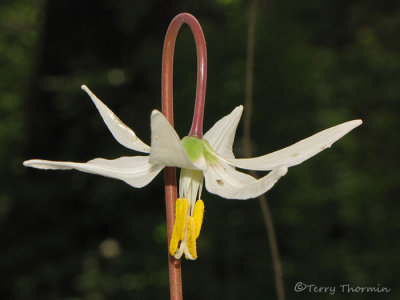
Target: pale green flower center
{"points": [[196, 148]]}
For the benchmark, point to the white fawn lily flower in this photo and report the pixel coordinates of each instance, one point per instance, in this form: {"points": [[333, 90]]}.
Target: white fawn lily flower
{"points": [[210, 158]]}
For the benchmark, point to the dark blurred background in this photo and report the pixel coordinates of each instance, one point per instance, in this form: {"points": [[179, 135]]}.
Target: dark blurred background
{"points": [[70, 235]]}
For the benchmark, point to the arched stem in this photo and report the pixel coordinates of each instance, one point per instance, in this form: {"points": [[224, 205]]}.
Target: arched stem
{"points": [[167, 71], [175, 277]]}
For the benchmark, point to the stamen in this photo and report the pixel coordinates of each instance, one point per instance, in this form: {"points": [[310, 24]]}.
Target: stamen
{"points": [[198, 213], [186, 229], [178, 233], [191, 240]]}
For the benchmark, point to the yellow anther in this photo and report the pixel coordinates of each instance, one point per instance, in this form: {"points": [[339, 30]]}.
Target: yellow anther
{"points": [[178, 233], [191, 239], [181, 212], [198, 213], [174, 243]]}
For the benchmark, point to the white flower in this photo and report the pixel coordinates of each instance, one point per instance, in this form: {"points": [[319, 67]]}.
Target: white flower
{"points": [[210, 158]]}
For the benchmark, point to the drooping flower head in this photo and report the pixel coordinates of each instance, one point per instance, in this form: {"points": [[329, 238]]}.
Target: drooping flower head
{"points": [[204, 159], [209, 159]]}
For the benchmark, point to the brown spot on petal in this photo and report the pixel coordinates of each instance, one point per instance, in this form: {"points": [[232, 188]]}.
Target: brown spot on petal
{"points": [[294, 155], [220, 182]]}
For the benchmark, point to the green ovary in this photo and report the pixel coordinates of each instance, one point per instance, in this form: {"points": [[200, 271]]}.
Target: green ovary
{"points": [[195, 148]]}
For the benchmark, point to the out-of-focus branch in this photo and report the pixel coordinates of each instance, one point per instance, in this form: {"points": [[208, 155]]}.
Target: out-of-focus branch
{"points": [[248, 152]]}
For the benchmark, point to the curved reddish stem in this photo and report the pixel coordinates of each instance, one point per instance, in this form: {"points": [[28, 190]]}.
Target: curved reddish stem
{"points": [[167, 71], [175, 277]]}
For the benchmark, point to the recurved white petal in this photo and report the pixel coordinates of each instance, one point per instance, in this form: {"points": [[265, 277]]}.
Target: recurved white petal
{"points": [[121, 132], [296, 153], [222, 135], [135, 171], [225, 181], [167, 148]]}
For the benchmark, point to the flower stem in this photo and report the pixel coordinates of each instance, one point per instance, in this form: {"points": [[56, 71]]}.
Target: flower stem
{"points": [[167, 70], [174, 265], [266, 213], [175, 276]]}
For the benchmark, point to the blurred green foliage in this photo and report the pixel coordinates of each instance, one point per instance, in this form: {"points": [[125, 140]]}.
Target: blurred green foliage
{"points": [[317, 63], [19, 30]]}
